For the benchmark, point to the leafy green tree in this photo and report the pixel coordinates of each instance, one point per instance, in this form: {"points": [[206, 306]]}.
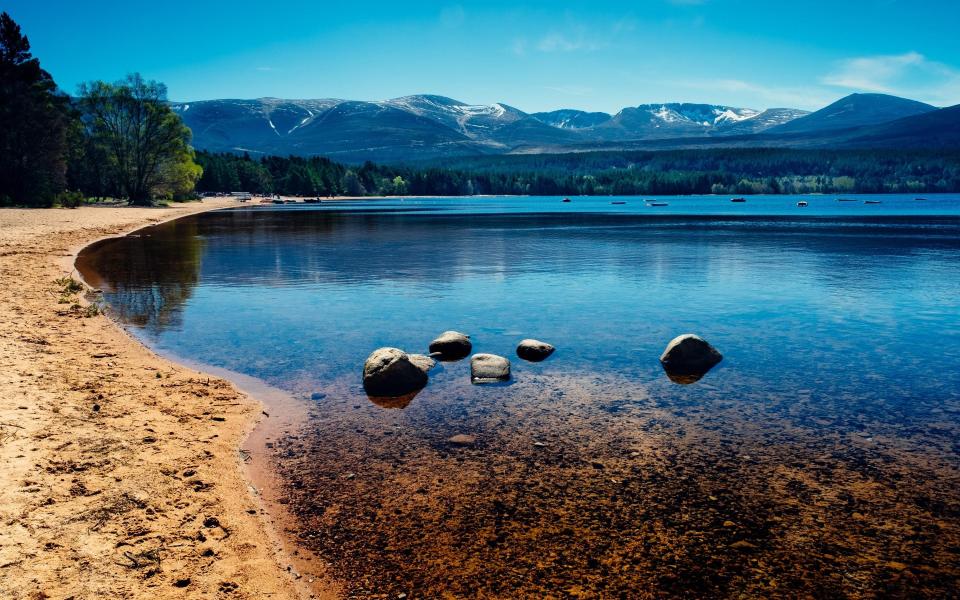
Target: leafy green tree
{"points": [[352, 185], [147, 144], [34, 122]]}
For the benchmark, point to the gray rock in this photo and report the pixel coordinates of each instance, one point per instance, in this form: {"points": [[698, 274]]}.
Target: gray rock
{"points": [[689, 356], [487, 368], [424, 363], [390, 372], [451, 345], [534, 350]]}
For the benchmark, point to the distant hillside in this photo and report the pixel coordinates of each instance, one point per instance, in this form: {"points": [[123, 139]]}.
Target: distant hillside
{"points": [[855, 110], [931, 130], [427, 127], [568, 118], [430, 126]]}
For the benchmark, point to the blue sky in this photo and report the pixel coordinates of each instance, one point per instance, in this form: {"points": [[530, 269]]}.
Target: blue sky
{"points": [[595, 55]]}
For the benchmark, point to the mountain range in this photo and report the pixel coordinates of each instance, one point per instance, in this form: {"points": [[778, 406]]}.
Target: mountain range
{"points": [[429, 127]]}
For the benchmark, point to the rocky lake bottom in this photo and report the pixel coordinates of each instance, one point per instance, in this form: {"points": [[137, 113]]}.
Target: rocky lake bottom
{"points": [[821, 458]]}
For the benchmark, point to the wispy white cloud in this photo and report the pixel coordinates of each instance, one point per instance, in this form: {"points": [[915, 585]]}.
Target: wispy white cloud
{"points": [[559, 42], [873, 73], [910, 74], [764, 96]]}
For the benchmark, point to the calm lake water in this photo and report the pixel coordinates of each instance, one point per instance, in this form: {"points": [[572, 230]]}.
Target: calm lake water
{"points": [[819, 458]]}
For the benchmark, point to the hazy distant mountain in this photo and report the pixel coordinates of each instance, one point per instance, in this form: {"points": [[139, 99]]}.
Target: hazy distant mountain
{"points": [[475, 121], [343, 129], [649, 121], [855, 110], [430, 127], [772, 117], [569, 118], [933, 129]]}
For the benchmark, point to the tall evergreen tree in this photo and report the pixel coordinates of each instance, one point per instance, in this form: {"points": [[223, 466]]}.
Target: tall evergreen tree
{"points": [[34, 119]]}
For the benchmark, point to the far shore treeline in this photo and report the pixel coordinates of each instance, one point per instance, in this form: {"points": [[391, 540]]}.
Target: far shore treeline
{"points": [[727, 171], [122, 141]]}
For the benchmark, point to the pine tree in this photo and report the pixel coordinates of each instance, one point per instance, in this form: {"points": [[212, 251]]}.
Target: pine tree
{"points": [[34, 120]]}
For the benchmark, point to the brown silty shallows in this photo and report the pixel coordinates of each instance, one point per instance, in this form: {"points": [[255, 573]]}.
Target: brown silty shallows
{"points": [[563, 486]]}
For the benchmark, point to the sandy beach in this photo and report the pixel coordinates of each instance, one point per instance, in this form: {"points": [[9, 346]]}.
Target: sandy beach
{"points": [[121, 472]]}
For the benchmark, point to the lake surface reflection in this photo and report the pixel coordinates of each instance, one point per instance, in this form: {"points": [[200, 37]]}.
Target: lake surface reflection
{"points": [[819, 458]]}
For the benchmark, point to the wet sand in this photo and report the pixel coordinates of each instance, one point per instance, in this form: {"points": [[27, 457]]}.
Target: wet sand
{"points": [[120, 474]]}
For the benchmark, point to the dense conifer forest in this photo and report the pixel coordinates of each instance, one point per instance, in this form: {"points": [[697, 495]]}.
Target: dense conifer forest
{"points": [[749, 171]]}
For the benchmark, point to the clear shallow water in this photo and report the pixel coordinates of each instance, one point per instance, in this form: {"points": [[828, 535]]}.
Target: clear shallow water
{"points": [[838, 322]]}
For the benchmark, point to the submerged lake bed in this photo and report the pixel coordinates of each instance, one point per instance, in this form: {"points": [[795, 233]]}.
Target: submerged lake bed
{"points": [[819, 458]]}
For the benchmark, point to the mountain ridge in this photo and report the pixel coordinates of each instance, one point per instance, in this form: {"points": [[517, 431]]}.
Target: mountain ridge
{"points": [[430, 126]]}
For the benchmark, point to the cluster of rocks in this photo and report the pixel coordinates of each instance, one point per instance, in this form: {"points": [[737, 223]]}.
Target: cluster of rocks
{"points": [[392, 372]]}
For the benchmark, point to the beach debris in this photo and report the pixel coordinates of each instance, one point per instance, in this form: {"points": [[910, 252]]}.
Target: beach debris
{"points": [[462, 439], [317, 396], [688, 357], [451, 345], [211, 522], [423, 362], [743, 546], [489, 368], [389, 372], [534, 350]]}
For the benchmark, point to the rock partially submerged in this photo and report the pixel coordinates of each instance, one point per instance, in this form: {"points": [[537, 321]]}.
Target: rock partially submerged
{"points": [[390, 372], [423, 362], [489, 368], [689, 357], [451, 345], [534, 350]]}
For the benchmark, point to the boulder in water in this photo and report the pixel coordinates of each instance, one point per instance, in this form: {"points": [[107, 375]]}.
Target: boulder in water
{"points": [[689, 357], [489, 368], [390, 372], [451, 345], [534, 350], [423, 362]]}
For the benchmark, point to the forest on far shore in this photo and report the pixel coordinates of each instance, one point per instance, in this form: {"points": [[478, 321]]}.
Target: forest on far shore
{"points": [[718, 171]]}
